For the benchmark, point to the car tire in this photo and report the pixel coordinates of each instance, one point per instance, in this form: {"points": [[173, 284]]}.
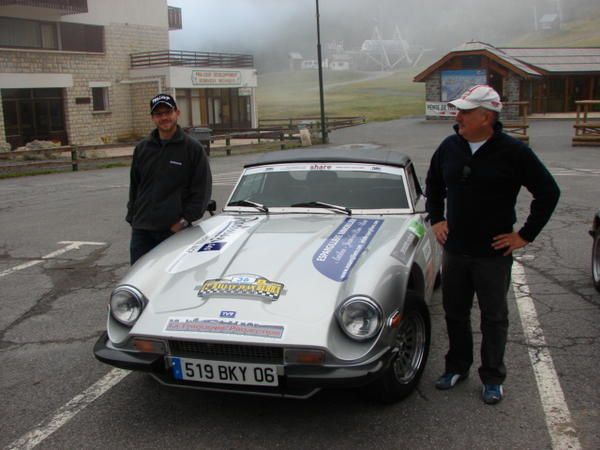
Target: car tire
{"points": [[412, 343], [596, 260]]}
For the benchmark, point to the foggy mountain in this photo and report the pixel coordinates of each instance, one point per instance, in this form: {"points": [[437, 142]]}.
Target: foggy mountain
{"points": [[270, 29]]}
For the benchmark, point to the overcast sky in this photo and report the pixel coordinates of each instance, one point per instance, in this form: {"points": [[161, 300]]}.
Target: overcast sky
{"points": [[270, 29]]}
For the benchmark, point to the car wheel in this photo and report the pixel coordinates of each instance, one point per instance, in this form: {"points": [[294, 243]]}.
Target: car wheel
{"points": [[412, 348], [596, 260]]}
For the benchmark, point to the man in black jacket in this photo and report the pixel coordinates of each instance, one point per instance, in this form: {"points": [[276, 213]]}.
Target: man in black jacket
{"points": [[478, 172], [171, 182]]}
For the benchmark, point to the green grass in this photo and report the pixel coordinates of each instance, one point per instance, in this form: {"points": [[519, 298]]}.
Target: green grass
{"points": [[296, 94], [578, 33]]}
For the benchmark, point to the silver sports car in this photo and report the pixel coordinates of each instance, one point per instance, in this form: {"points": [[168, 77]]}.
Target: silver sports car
{"points": [[317, 274]]}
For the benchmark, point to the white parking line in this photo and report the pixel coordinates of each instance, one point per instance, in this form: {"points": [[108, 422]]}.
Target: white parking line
{"points": [[68, 411], [73, 245], [558, 418]]}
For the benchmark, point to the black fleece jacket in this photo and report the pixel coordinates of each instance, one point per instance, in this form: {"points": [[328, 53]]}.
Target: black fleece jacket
{"points": [[481, 199], [168, 182]]}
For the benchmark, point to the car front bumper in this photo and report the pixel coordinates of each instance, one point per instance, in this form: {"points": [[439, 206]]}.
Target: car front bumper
{"points": [[300, 381]]}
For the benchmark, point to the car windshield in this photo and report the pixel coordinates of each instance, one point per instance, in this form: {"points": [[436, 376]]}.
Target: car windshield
{"points": [[313, 185]]}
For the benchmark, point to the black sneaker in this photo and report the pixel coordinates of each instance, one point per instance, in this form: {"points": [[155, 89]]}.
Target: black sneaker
{"points": [[449, 379], [492, 393]]}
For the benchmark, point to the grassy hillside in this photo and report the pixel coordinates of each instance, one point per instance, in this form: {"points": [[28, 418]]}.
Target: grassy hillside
{"points": [[296, 94], [579, 33]]}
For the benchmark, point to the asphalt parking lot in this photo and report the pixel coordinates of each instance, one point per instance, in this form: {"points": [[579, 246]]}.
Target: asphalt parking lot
{"points": [[64, 245]]}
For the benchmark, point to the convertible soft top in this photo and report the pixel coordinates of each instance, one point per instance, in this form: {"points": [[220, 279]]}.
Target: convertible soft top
{"points": [[367, 153]]}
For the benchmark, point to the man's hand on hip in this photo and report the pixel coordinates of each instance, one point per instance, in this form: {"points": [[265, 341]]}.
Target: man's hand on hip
{"points": [[509, 241], [440, 230]]}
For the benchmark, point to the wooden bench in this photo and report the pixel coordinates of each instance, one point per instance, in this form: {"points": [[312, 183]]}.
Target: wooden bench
{"points": [[587, 132]]}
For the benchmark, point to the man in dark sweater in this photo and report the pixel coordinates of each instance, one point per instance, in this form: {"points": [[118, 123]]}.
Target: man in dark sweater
{"points": [[478, 173], [171, 182]]}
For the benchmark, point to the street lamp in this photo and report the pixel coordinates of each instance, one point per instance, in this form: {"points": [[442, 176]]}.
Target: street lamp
{"points": [[324, 137]]}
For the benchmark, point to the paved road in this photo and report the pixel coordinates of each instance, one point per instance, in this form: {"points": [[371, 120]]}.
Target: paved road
{"points": [[53, 295]]}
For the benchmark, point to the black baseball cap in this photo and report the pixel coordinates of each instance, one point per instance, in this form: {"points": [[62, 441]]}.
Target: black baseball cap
{"points": [[162, 99]]}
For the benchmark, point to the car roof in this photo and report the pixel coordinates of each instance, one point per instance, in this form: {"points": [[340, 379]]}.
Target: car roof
{"points": [[356, 153]]}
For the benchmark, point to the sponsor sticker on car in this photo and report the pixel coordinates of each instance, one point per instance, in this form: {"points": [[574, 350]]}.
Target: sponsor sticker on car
{"points": [[340, 251], [216, 241], [222, 326], [241, 286]]}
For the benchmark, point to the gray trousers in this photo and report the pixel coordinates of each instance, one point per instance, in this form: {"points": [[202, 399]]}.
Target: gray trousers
{"points": [[489, 278]]}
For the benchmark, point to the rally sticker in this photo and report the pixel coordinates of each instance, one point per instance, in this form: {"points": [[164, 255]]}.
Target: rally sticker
{"points": [[405, 248], [241, 286], [340, 251], [417, 228], [215, 242], [220, 326]]}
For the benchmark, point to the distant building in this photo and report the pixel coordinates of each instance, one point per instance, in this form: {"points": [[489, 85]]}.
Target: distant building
{"points": [[550, 22], [295, 60], [83, 71], [308, 64], [549, 79]]}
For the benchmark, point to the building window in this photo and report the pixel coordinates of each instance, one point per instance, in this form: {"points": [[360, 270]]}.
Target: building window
{"points": [[27, 33], [23, 33], [100, 98], [174, 18]]}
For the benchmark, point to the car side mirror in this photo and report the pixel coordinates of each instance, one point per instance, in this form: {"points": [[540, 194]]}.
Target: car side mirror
{"points": [[211, 207]]}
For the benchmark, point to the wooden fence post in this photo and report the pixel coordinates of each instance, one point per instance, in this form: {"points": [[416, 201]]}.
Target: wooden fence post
{"points": [[74, 159]]}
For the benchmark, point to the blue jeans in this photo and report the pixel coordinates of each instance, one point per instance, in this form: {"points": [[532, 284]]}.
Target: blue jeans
{"points": [[142, 241], [489, 278]]}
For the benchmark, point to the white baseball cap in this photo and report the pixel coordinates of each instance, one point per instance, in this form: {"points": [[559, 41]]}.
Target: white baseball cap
{"points": [[479, 96]]}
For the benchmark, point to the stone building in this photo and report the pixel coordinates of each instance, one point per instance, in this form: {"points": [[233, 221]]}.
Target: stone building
{"points": [[83, 71], [550, 80]]}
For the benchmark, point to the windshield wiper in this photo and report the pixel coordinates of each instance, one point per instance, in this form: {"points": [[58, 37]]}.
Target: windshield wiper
{"points": [[337, 208], [258, 206]]}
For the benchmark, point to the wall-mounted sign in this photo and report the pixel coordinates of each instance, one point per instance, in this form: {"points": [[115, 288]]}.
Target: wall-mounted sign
{"points": [[455, 82], [244, 92], [216, 77], [439, 109]]}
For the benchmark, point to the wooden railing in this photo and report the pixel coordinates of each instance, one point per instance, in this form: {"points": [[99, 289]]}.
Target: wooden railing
{"points": [[314, 122], [163, 58], [240, 139], [587, 129], [75, 157]]}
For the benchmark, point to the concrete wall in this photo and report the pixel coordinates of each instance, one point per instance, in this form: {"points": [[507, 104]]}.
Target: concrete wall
{"points": [[83, 125], [152, 13]]}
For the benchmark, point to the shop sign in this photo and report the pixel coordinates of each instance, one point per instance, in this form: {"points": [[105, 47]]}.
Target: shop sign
{"points": [[439, 109], [216, 77]]}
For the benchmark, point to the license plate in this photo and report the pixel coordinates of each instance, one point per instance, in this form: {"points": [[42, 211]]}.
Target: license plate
{"points": [[224, 372]]}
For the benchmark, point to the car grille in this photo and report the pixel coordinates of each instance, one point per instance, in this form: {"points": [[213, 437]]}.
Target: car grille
{"points": [[227, 352]]}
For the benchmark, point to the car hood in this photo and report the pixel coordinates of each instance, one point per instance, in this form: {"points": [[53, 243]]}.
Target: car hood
{"points": [[286, 272]]}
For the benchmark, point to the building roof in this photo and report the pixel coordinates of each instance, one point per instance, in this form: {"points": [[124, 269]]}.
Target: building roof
{"points": [[528, 62]]}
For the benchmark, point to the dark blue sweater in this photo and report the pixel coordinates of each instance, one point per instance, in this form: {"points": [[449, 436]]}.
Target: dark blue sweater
{"points": [[169, 181], [481, 198]]}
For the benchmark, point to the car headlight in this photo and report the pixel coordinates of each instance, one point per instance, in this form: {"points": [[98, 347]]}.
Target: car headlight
{"points": [[126, 305], [360, 318]]}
